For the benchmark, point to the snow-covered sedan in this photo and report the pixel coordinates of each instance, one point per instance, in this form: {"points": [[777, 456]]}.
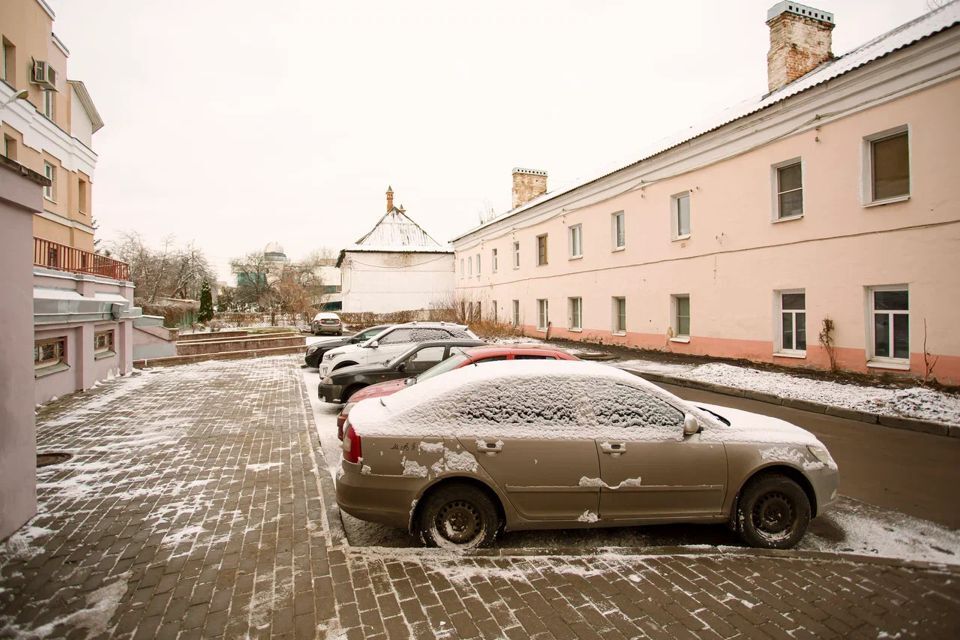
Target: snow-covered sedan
{"points": [[391, 342], [565, 444]]}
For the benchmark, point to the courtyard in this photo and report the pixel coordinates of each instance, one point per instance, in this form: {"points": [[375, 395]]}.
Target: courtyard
{"points": [[198, 502]]}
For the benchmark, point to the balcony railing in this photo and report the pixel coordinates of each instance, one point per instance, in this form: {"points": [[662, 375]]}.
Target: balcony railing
{"points": [[58, 256]]}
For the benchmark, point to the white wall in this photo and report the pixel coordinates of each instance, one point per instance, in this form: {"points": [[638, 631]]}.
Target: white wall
{"points": [[395, 281]]}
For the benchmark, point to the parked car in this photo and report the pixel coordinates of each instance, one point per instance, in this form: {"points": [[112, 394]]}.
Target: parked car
{"points": [[341, 384], [326, 323], [315, 351], [509, 446], [391, 342], [462, 358]]}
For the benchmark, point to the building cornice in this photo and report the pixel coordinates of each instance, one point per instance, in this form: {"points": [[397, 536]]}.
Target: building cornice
{"points": [[46, 8], [59, 43], [923, 64], [87, 103], [67, 222]]}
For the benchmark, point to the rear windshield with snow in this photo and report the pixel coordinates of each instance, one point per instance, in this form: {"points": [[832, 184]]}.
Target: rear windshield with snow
{"points": [[400, 336]]}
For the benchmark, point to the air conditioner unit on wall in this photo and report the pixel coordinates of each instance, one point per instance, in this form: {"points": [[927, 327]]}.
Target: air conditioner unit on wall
{"points": [[44, 75]]}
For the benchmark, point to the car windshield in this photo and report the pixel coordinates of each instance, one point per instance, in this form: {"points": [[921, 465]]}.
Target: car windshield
{"points": [[457, 358], [403, 356]]}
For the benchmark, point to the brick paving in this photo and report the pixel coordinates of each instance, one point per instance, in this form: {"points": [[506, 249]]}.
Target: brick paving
{"points": [[197, 505]]}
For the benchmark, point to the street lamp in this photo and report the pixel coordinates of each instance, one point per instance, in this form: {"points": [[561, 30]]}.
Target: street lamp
{"points": [[19, 95]]}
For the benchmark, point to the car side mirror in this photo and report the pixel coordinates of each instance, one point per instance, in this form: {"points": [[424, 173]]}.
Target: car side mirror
{"points": [[690, 425], [374, 344], [402, 367], [409, 381]]}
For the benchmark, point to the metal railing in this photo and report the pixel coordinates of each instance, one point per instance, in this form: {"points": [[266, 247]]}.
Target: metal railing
{"points": [[54, 255]]}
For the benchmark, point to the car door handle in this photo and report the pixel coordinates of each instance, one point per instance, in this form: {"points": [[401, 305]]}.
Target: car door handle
{"points": [[613, 448], [491, 448]]}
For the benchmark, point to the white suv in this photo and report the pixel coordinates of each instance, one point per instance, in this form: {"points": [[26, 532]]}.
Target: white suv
{"points": [[391, 342]]}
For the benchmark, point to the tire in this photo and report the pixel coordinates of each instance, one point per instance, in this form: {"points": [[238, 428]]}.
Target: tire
{"points": [[345, 398], [773, 512], [458, 516]]}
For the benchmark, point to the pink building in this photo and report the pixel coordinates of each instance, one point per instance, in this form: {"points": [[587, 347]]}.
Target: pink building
{"points": [[818, 223]]}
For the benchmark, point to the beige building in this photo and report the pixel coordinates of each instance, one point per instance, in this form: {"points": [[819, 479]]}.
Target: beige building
{"points": [[817, 224]]}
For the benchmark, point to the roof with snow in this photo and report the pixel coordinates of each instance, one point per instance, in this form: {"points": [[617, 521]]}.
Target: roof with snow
{"points": [[397, 232], [903, 36]]}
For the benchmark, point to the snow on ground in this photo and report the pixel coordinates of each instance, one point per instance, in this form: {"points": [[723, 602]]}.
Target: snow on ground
{"points": [[849, 526]]}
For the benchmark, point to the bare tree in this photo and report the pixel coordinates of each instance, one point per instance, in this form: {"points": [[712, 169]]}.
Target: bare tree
{"points": [[166, 272]]}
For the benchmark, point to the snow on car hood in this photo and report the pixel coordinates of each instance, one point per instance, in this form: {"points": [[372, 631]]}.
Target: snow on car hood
{"points": [[746, 426]]}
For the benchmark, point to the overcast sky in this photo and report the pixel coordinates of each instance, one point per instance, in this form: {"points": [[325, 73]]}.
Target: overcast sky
{"points": [[233, 123]]}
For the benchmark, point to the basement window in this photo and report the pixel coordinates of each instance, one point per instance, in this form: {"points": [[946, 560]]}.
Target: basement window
{"points": [[103, 344], [49, 356]]}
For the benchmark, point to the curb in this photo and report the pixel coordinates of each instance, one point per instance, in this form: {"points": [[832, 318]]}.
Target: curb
{"points": [[894, 422]]}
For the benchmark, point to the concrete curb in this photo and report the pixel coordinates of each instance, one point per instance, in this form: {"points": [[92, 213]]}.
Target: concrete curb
{"points": [[894, 422]]}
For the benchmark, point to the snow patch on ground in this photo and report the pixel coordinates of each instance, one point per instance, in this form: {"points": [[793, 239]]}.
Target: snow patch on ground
{"points": [[263, 466]]}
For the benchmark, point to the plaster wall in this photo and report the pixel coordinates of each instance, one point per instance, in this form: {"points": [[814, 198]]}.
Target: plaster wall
{"points": [[386, 282]]}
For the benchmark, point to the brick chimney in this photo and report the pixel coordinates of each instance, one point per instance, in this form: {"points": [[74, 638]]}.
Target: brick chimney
{"points": [[527, 185], [389, 198], [800, 39]]}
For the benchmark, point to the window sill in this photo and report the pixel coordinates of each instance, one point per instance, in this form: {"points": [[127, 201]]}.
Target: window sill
{"points": [[575, 330], [576, 257], [620, 334], [787, 219], [892, 366], [542, 329], [797, 356], [681, 339], [50, 370], [880, 203], [616, 249], [681, 238], [100, 355], [49, 199]]}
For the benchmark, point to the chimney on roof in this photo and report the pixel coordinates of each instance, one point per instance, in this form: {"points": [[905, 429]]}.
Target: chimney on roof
{"points": [[389, 198], [527, 185], [800, 40]]}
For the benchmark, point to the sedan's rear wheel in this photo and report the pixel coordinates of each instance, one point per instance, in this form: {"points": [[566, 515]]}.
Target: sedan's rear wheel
{"points": [[774, 513], [458, 516]]}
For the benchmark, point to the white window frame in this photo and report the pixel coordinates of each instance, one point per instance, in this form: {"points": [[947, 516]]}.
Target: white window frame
{"points": [[867, 166], [543, 314], [615, 327], [675, 317], [478, 265], [575, 314], [516, 313], [469, 267], [50, 171], [60, 353], [675, 216], [575, 235], [546, 250], [516, 254], [462, 268], [781, 349], [618, 232], [49, 104], [493, 261], [886, 361], [775, 189], [493, 306]]}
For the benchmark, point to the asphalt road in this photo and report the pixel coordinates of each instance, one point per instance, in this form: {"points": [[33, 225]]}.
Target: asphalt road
{"points": [[914, 473]]}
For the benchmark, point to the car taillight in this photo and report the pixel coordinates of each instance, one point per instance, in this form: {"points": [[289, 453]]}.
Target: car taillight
{"points": [[351, 445], [342, 419]]}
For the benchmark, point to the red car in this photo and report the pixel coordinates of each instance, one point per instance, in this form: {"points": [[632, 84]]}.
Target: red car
{"points": [[467, 356]]}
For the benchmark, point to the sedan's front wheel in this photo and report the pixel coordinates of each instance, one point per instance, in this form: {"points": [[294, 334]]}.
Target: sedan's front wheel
{"points": [[774, 512], [458, 516]]}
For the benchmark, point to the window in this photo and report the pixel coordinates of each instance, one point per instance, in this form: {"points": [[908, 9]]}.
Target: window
{"points": [[576, 313], [543, 314], [576, 241], [493, 260], [51, 172], [516, 255], [9, 147], [9, 62], [793, 322], [493, 310], [516, 313], [82, 196], [513, 401], [103, 342], [620, 405], [789, 184], [890, 308], [478, 265], [681, 317], [469, 267], [888, 161], [49, 352], [49, 104], [680, 215], [461, 267], [620, 316], [541, 250], [618, 225], [424, 359]]}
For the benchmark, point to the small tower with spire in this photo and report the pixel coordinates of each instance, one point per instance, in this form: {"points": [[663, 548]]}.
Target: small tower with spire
{"points": [[389, 198]]}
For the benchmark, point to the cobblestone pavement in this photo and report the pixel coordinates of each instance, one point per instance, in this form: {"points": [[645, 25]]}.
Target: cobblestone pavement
{"points": [[197, 504]]}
